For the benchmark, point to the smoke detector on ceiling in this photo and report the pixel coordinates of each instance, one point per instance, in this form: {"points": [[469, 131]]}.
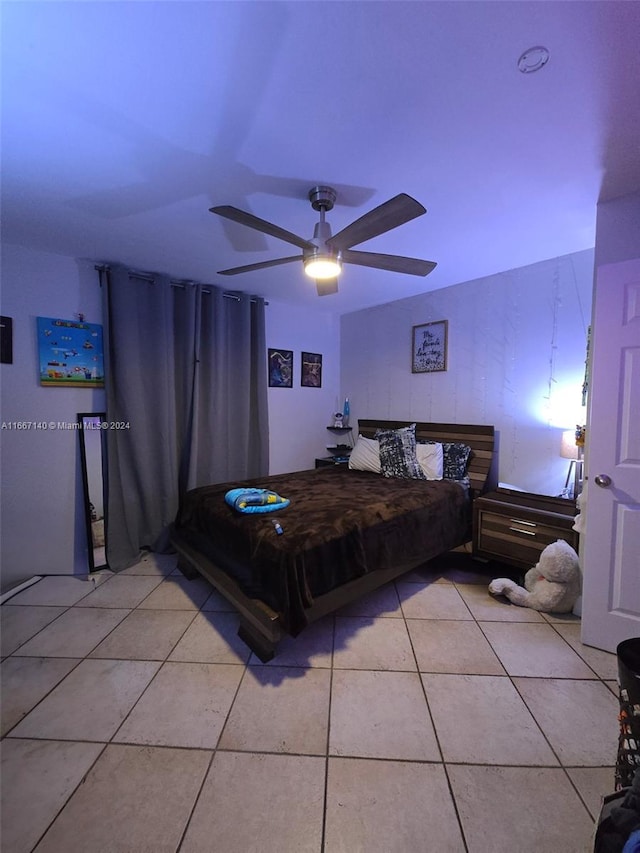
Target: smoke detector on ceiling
{"points": [[533, 59]]}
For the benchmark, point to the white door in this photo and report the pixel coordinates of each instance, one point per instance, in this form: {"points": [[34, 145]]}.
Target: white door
{"points": [[611, 543]]}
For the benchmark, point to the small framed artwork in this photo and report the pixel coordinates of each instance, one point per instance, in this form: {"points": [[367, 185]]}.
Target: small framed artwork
{"points": [[280, 368], [6, 340], [429, 347], [70, 353], [311, 376]]}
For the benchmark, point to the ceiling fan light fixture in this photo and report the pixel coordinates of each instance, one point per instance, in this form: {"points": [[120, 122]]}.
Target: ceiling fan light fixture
{"points": [[322, 267]]}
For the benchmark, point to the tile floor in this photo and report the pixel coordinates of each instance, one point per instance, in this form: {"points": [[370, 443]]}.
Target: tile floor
{"points": [[427, 717]]}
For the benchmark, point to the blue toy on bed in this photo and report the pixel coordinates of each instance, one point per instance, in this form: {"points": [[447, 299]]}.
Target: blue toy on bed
{"points": [[255, 500]]}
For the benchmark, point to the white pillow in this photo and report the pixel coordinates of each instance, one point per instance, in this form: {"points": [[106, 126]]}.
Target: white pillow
{"points": [[431, 460], [365, 456]]}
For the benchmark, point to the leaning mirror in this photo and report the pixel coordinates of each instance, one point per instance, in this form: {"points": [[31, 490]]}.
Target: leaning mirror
{"points": [[92, 446]]}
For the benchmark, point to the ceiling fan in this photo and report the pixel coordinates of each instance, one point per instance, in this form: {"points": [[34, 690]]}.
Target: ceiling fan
{"points": [[324, 255]]}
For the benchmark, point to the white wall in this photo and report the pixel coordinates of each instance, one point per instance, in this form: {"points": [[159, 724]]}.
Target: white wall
{"points": [[517, 346], [298, 417], [41, 514]]}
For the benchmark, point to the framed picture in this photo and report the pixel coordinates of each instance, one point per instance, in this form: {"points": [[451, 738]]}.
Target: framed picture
{"points": [[280, 368], [311, 376], [429, 347], [70, 353], [6, 340]]}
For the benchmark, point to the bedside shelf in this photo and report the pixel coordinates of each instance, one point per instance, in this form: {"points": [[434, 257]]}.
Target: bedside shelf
{"points": [[325, 461], [515, 527], [340, 453]]}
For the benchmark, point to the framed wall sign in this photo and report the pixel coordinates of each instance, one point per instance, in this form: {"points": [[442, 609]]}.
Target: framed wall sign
{"points": [[429, 347]]}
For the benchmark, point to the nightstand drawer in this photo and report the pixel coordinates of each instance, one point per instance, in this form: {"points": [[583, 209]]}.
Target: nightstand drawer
{"points": [[514, 536], [516, 528]]}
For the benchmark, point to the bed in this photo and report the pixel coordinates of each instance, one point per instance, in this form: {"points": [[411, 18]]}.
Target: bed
{"points": [[346, 532]]}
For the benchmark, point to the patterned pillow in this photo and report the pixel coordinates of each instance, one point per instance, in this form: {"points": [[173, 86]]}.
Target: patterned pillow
{"points": [[456, 457], [398, 453]]}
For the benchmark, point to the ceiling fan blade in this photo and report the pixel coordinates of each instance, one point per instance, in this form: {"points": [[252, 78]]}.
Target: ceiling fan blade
{"points": [[325, 286], [260, 225], [263, 265], [393, 263], [398, 210]]}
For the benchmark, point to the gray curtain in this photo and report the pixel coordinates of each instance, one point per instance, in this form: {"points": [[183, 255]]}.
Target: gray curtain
{"points": [[186, 378]]}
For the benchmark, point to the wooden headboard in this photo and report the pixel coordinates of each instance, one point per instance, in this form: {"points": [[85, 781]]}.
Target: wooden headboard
{"points": [[478, 437]]}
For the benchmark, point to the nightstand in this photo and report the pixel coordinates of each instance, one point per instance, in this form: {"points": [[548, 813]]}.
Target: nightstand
{"points": [[514, 527], [331, 460]]}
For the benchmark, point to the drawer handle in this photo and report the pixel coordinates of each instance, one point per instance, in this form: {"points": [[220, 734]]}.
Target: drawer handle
{"points": [[526, 532], [520, 521]]}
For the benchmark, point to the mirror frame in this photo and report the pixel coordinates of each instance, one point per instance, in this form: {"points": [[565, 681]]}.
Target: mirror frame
{"points": [[85, 484]]}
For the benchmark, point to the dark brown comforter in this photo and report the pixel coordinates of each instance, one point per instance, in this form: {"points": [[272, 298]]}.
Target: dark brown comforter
{"points": [[340, 525]]}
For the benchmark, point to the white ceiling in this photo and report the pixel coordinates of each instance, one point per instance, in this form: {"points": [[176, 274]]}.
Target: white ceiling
{"points": [[123, 122]]}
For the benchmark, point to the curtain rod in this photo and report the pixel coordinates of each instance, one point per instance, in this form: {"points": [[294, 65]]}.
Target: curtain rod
{"points": [[181, 284]]}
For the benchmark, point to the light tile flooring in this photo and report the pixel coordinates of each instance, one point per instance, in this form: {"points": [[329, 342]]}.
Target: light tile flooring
{"points": [[427, 717]]}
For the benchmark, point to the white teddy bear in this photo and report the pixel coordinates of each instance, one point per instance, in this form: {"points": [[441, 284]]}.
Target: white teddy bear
{"points": [[552, 585]]}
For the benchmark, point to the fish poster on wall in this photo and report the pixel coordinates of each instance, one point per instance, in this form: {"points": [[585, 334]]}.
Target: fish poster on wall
{"points": [[70, 353]]}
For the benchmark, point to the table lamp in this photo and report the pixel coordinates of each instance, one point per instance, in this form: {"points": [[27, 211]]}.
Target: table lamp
{"points": [[571, 448]]}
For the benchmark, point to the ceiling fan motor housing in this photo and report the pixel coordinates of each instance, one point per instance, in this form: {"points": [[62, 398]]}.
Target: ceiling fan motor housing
{"points": [[321, 233], [322, 198]]}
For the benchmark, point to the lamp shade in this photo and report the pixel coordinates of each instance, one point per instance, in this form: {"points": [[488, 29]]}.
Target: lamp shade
{"points": [[568, 447], [322, 266]]}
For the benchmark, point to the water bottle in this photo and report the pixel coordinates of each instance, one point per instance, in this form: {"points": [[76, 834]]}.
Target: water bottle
{"points": [[345, 412]]}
